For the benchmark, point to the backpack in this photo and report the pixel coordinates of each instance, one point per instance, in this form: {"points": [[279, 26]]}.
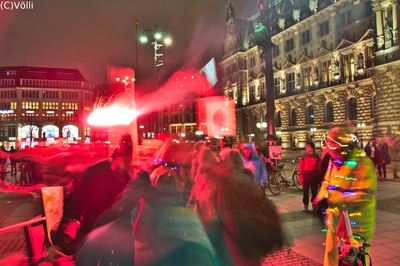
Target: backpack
{"points": [[254, 224]]}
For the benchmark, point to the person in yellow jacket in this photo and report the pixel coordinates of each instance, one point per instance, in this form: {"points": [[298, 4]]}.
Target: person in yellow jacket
{"points": [[350, 180]]}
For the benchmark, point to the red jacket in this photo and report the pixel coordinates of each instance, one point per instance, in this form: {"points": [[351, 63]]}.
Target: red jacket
{"points": [[310, 166]]}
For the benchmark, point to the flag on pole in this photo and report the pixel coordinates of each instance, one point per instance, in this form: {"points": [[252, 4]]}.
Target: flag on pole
{"points": [[343, 230]]}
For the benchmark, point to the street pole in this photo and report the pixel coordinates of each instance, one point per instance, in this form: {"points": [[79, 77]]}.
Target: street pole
{"points": [[269, 77]]}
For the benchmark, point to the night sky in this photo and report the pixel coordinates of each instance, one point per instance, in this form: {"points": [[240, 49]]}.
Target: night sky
{"points": [[89, 34]]}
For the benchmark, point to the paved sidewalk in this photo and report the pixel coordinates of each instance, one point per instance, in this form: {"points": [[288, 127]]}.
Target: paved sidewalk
{"points": [[308, 244]]}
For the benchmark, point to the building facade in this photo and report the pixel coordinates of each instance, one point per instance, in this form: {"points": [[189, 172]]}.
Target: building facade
{"points": [[40, 104], [336, 62]]}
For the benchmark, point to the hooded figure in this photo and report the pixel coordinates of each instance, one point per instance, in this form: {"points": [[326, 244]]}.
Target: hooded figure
{"points": [[255, 164], [350, 180]]}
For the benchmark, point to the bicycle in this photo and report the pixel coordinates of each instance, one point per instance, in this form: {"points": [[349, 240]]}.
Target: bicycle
{"points": [[277, 180]]}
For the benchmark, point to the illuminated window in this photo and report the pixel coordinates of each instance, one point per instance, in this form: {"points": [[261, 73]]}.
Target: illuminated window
{"points": [[69, 106], [50, 105], [30, 105]]}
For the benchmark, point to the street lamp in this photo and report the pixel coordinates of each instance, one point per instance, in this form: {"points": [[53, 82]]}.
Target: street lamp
{"points": [[312, 132], [130, 96], [361, 126], [126, 81], [262, 126], [158, 36]]}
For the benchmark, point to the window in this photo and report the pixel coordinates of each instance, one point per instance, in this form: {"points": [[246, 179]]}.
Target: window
{"points": [[275, 51], [252, 93], [278, 120], [252, 62], [326, 72], [348, 67], [306, 37], [293, 117], [291, 82], [329, 112], [289, 45], [307, 74], [263, 91], [324, 28], [345, 19], [277, 85], [352, 109], [310, 115]]}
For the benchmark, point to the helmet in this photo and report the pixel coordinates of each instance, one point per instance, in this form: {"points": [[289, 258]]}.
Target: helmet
{"points": [[125, 145], [339, 141]]}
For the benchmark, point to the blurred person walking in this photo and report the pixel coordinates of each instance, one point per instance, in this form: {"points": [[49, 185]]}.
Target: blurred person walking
{"points": [[242, 224], [351, 181], [384, 158], [371, 150], [309, 169], [255, 164]]}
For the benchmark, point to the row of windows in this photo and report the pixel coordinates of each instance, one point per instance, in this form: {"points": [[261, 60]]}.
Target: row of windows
{"points": [[186, 129], [8, 131], [178, 118], [8, 105], [69, 106], [49, 106], [8, 117], [50, 94], [69, 95], [48, 117], [7, 82], [8, 94], [329, 117], [30, 105], [30, 94], [52, 83]]}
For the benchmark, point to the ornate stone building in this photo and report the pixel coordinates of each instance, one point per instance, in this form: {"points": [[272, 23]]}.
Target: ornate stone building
{"points": [[335, 62]]}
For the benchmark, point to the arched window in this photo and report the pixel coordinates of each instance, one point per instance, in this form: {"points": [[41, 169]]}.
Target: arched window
{"points": [[293, 117], [278, 120], [329, 112], [310, 115], [352, 108]]}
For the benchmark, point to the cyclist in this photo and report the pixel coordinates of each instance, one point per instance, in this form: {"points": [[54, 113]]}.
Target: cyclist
{"points": [[309, 168]]}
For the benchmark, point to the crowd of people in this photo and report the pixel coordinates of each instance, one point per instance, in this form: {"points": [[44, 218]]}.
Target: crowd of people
{"points": [[199, 204]]}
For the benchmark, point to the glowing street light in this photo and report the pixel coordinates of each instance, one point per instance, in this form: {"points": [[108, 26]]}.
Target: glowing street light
{"points": [[157, 37], [126, 81]]}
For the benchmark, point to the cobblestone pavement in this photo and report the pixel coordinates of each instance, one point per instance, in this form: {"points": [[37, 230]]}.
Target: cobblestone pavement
{"points": [[10, 202], [288, 257]]}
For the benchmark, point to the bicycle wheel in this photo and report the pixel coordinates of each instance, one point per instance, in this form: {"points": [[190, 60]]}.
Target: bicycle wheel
{"points": [[296, 181], [276, 183]]}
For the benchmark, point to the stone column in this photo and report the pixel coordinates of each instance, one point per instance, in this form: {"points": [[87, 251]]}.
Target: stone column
{"points": [[379, 27], [395, 22]]}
